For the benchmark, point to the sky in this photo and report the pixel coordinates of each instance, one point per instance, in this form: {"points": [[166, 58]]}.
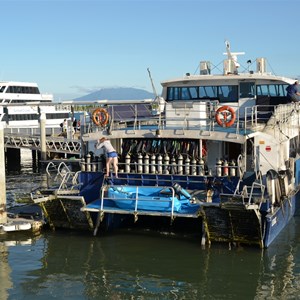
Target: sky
{"points": [[74, 47]]}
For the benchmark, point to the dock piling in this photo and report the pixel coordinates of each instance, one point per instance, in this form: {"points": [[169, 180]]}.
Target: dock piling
{"points": [[3, 214], [43, 136]]}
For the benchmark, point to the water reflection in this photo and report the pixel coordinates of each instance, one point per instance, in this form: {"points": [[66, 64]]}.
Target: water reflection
{"points": [[5, 272], [75, 265], [280, 268]]}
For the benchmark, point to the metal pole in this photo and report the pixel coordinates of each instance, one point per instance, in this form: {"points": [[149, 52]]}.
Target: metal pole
{"points": [[3, 214], [43, 136]]}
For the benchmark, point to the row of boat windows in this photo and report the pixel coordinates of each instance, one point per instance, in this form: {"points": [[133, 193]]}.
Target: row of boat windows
{"points": [[226, 93], [28, 117], [23, 101], [20, 89]]}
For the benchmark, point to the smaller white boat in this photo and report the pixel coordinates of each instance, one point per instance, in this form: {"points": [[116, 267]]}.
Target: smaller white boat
{"points": [[16, 226], [21, 103]]}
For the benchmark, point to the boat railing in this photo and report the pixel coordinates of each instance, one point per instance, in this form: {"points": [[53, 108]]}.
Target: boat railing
{"points": [[190, 116], [62, 107], [61, 175], [31, 131], [253, 194], [269, 114], [256, 195]]}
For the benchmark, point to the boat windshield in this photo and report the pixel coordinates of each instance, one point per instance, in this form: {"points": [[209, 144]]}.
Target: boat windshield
{"points": [[225, 93]]}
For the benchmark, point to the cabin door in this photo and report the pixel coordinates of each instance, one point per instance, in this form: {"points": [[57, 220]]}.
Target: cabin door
{"points": [[246, 97], [250, 155]]}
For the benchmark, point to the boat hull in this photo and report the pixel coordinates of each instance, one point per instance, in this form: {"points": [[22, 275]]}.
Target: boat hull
{"points": [[276, 222], [237, 222]]}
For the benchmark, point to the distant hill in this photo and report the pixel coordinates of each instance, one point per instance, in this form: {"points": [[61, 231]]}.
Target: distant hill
{"points": [[117, 94]]}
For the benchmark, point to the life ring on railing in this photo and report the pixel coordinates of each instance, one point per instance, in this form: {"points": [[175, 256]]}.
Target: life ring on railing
{"points": [[100, 116], [222, 116]]}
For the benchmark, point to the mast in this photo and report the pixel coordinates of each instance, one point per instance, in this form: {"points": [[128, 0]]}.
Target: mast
{"points": [[231, 64]]}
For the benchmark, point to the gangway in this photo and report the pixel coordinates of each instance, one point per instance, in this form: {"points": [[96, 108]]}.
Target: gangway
{"points": [[54, 144]]}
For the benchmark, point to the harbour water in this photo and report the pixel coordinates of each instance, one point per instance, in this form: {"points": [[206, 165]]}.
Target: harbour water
{"points": [[138, 264]]}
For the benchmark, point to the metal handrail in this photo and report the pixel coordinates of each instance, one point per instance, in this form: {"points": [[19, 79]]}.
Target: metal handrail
{"points": [[262, 190], [247, 117]]}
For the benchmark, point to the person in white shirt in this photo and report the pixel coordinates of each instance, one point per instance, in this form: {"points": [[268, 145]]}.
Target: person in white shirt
{"points": [[111, 154]]}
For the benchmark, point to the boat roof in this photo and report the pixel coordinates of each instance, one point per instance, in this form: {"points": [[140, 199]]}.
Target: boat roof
{"points": [[233, 79], [18, 83], [231, 73]]}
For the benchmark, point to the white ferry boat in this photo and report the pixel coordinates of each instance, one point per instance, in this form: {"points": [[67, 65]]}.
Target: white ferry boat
{"points": [[21, 104], [224, 147]]}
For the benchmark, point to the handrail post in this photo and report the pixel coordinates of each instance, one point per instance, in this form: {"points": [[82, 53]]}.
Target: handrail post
{"points": [[136, 199]]}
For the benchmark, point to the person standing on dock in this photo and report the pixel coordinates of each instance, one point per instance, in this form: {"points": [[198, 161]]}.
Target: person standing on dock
{"points": [[75, 125], [65, 125], [111, 154]]}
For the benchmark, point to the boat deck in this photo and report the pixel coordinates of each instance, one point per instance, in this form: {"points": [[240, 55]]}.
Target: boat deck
{"points": [[131, 122]]}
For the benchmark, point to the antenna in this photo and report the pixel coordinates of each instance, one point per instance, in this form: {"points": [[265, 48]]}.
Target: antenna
{"points": [[153, 87], [232, 56], [158, 103]]}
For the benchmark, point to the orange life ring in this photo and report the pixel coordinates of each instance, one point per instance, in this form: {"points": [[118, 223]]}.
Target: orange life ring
{"points": [[100, 117], [224, 121]]}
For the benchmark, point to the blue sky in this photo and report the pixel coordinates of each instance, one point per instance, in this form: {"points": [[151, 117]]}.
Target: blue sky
{"points": [[74, 47]]}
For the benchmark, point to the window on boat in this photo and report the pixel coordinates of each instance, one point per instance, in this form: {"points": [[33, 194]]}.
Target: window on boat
{"points": [[23, 117], [35, 116], [247, 89], [23, 90], [272, 90], [2, 88], [57, 116], [223, 93], [22, 101]]}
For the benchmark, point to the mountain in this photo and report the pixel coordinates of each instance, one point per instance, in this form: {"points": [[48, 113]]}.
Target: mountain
{"points": [[117, 94]]}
